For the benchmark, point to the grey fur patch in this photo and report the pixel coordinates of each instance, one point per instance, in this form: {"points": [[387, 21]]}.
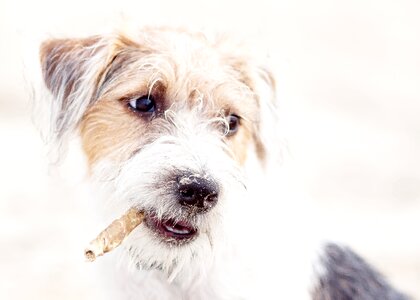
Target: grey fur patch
{"points": [[349, 277]]}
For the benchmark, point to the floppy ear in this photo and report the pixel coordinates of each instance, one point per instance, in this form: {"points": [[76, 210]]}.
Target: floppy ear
{"points": [[265, 131], [261, 82], [72, 71]]}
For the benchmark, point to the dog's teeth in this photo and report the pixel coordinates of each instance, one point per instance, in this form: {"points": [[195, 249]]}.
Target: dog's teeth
{"points": [[175, 230]]}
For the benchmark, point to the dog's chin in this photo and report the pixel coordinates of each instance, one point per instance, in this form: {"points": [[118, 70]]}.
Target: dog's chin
{"points": [[171, 231], [168, 244], [173, 243]]}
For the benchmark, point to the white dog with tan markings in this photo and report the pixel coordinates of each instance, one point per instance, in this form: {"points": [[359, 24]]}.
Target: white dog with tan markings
{"points": [[170, 121]]}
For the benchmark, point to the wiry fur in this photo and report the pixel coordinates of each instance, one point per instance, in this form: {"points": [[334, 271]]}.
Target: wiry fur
{"points": [[81, 71], [136, 159], [187, 142], [197, 85]]}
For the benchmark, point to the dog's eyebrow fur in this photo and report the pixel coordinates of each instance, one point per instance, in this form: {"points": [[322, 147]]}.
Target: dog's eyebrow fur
{"points": [[78, 72]]}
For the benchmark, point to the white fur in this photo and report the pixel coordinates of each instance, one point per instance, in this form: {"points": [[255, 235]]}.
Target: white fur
{"points": [[251, 244], [200, 269]]}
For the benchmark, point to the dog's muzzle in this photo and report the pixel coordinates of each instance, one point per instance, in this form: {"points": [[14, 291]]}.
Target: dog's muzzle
{"points": [[195, 194]]}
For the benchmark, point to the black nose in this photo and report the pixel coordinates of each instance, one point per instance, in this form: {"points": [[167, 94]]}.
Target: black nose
{"points": [[197, 191]]}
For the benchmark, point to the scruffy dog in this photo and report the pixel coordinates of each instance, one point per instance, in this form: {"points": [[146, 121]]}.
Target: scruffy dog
{"points": [[169, 121]]}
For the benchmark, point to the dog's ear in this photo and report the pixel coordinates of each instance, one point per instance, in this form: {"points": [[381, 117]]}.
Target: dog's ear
{"points": [[264, 87], [73, 70], [63, 63], [266, 131], [260, 80]]}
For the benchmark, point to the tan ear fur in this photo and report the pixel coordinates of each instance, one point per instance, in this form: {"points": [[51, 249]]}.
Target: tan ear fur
{"points": [[261, 82], [62, 62], [73, 71]]}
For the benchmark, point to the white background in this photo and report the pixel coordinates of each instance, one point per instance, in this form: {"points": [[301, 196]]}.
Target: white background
{"points": [[349, 86]]}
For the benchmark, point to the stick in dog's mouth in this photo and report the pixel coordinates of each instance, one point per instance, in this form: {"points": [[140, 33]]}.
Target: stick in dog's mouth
{"points": [[114, 234]]}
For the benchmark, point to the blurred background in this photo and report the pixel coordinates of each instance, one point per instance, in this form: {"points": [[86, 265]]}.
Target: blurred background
{"points": [[348, 74]]}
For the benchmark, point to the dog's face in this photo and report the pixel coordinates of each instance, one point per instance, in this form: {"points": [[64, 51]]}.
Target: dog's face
{"points": [[166, 119]]}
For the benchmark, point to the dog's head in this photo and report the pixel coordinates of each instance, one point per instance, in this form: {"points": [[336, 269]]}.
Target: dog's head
{"points": [[167, 119]]}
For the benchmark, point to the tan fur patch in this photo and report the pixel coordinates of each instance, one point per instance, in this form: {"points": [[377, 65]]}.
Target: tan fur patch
{"points": [[179, 69], [109, 131], [239, 144]]}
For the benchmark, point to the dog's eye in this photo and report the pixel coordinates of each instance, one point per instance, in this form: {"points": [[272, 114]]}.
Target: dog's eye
{"points": [[145, 104], [233, 121]]}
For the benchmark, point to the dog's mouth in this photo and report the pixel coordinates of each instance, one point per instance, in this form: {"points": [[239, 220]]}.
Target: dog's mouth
{"points": [[171, 230]]}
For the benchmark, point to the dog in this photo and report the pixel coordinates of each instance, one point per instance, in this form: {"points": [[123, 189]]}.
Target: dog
{"points": [[170, 121]]}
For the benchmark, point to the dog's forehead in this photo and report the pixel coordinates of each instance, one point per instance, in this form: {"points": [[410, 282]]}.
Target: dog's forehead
{"points": [[188, 68], [181, 44]]}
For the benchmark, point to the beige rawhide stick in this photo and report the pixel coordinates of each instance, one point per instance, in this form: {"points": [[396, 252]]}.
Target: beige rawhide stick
{"points": [[114, 234]]}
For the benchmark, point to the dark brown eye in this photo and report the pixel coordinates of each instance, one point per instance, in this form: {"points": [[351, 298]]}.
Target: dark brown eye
{"points": [[144, 104], [233, 121]]}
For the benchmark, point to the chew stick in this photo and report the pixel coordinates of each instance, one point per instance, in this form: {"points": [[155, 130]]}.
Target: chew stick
{"points": [[114, 234]]}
